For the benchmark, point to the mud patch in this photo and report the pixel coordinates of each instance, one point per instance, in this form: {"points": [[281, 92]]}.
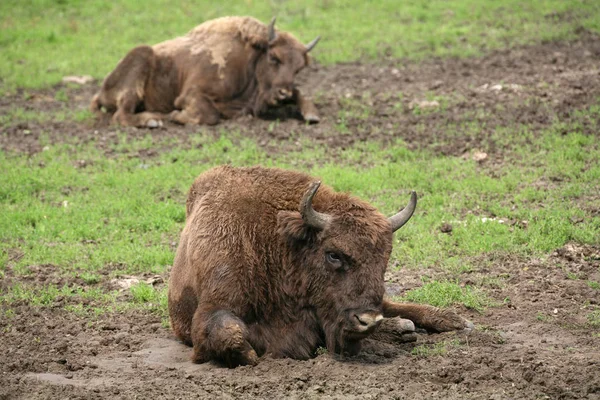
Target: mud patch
{"points": [[520, 349]]}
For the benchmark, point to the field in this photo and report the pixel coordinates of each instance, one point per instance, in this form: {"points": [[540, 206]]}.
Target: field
{"points": [[489, 110]]}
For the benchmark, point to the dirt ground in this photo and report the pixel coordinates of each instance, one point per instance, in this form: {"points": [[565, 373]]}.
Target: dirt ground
{"points": [[535, 345]]}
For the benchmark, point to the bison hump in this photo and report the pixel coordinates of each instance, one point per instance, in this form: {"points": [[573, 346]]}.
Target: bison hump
{"points": [[248, 29]]}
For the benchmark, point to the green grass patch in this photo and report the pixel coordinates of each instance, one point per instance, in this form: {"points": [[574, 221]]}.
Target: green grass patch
{"points": [[123, 212], [446, 293], [50, 294], [41, 41]]}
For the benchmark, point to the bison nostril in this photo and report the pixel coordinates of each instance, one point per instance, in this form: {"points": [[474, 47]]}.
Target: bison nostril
{"points": [[368, 320], [361, 321]]}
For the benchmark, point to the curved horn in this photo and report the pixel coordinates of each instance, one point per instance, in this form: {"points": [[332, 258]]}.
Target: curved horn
{"points": [[272, 34], [312, 44], [404, 215], [309, 215]]}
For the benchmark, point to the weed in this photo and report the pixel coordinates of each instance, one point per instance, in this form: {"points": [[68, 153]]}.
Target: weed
{"points": [[90, 278], [436, 349], [594, 318], [594, 285], [143, 293], [321, 351], [540, 316]]}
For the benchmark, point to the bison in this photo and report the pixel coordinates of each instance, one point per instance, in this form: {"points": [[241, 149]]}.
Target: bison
{"points": [[220, 69], [270, 262]]}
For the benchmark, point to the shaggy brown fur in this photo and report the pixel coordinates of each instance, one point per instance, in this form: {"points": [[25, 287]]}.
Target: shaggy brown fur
{"points": [[221, 68], [251, 277]]}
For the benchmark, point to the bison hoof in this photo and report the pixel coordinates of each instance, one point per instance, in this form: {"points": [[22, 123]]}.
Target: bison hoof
{"points": [[153, 123], [312, 118], [395, 330], [404, 325], [251, 357], [469, 326]]}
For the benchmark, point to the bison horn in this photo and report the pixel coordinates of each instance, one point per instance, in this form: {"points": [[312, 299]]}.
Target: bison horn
{"points": [[272, 34], [309, 215], [312, 44], [404, 215]]}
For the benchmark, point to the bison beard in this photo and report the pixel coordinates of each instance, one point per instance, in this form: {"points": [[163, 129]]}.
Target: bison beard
{"points": [[270, 263], [220, 69]]}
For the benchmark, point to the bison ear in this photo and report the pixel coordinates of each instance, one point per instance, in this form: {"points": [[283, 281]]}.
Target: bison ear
{"points": [[290, 225]]}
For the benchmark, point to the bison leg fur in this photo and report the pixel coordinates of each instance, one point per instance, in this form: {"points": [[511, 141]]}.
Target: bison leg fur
{"points": [[194, 108], [430, 318], [307, 108], [220, 335], [126, 115], [123, 90]]}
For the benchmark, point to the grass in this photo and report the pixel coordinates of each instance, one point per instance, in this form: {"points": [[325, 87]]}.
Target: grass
{"points": [[594, 319], [124, 212], [594, 285], [436, 349], [43, 40], [445, 293], [50, 294]]}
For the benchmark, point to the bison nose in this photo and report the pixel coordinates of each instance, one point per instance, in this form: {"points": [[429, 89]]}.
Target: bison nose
{"points": [[368, 321]]}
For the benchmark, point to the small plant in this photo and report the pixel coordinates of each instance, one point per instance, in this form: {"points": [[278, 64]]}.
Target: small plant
{"points": [[435, 349], [594, 319], [90, 278], [594, 285], [61, 95], [571, 275], [143, 293], [540, 316]]}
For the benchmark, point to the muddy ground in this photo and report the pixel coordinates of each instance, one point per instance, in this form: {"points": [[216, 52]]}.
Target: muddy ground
{"points": [[535, 344]]}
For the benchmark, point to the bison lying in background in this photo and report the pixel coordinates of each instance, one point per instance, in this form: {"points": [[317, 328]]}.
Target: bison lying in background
{"points": [[260, 271], [221, 68]]}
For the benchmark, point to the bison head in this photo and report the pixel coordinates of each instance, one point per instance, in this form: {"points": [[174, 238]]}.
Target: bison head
{"points": [[338, 261], [285, 57]]}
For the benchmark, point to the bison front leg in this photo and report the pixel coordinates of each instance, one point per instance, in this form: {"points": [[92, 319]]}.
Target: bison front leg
{"points": [[221, 336], [430, 318], [307, 107], [194, 108]]}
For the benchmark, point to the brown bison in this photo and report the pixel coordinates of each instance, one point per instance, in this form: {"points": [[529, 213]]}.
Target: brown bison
{"points": [[221, 68], [270, 262]]}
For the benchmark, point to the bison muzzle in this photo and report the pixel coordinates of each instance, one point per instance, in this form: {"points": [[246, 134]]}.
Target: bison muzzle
{"points": [[271, 262], [222, 68]]}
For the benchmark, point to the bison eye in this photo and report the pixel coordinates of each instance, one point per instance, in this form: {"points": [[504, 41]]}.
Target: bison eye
{"points": [[334, 259], [274, 60]]}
